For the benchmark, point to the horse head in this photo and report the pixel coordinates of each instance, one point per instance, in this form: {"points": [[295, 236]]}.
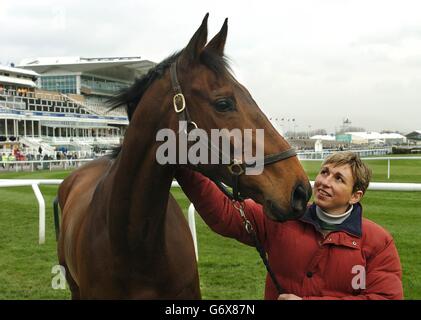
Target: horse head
{"points": [[204, 94]]}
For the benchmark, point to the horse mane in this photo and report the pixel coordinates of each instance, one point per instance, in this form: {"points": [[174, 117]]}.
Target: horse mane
{"points": [[131, 96]]}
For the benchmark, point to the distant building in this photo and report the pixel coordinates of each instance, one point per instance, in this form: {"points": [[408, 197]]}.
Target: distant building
{"points": [[345, 138], [96, 79], [414, 137], [374, 138], [318, 146], [393, 138]]}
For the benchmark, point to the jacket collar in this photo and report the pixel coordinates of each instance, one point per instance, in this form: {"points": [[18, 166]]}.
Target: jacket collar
{"points": [[351, 225]]}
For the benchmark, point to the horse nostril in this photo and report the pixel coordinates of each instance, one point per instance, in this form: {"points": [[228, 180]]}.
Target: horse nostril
{"points": [[299, 198]]}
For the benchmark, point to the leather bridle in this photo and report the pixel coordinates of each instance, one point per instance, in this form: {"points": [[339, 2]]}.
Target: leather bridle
{"points": [[236, 167]]}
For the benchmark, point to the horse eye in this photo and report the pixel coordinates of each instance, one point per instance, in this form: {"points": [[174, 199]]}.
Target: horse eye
{"points": [[224, 105]]}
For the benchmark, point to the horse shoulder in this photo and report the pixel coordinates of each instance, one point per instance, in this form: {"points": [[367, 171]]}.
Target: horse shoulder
{"points": [[85, 175], [75, 194]]}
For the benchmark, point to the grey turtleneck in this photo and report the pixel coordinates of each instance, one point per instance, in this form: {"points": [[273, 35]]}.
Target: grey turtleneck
{"points": [[333, 219]]}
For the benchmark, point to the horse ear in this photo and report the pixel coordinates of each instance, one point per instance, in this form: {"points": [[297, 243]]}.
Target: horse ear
{"points": [[217, 44], [192, 51]]}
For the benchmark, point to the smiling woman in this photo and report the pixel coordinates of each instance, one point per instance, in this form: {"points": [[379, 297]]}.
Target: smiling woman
{"points": [[341, 183]]}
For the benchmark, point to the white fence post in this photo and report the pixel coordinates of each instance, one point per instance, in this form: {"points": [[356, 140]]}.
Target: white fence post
{"points": [[192, 225], [41, 205]]}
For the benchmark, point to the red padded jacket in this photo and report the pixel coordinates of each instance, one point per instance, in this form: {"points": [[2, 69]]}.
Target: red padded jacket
{"points": [[360, 261]]}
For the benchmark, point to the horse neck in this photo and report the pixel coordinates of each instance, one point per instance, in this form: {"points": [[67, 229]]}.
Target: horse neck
{"points": [[140, 186]]}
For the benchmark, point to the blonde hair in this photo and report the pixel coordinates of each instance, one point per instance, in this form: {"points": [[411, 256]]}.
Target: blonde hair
{"points": [[360, 171]]}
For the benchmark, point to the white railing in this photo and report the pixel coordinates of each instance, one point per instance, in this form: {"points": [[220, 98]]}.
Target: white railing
{"points": [[41, 164], [35, 143], [191, 210], [313, 155], [97, 108], [377, 158]]}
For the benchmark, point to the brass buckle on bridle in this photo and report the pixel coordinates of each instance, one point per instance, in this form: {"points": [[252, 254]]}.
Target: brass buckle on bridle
{"points": [[179, 98]]}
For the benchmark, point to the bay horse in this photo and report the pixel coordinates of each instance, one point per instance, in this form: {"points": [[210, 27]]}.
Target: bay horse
{"points": [[123, 235]]}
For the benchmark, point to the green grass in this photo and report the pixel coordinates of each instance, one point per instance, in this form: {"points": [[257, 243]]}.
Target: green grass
{"points": [[25, 266], [228, 269], [400, 214]]}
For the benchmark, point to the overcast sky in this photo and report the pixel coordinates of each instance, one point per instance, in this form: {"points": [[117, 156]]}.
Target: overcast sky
{"points": [[318, 61]]}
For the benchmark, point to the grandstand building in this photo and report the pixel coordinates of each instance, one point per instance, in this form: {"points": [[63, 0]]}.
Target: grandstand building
{"points": [[59, 103]]}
